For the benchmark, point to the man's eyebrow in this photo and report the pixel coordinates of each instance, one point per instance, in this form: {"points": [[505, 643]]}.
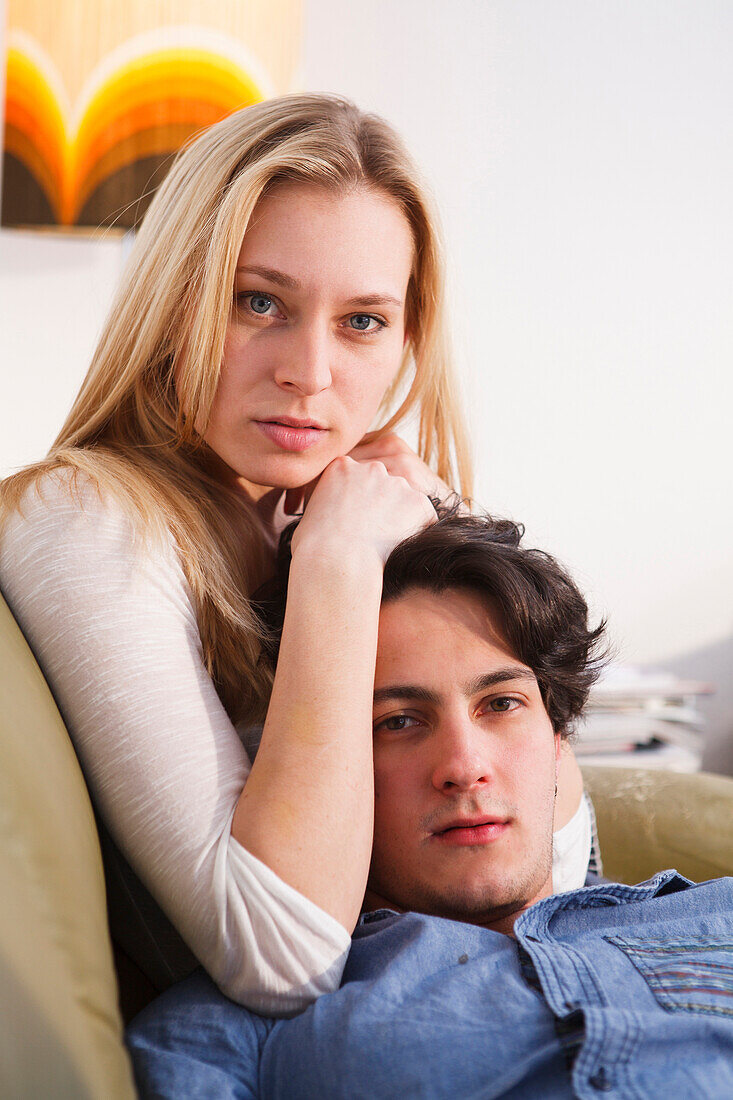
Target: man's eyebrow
{"points": [[287, 281], [405, 691], [481, 683], [500, 676]]}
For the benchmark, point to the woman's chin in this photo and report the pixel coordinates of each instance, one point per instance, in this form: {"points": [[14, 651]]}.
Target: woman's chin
{"points": [[269, 479], [258, 474], [288, 471]]}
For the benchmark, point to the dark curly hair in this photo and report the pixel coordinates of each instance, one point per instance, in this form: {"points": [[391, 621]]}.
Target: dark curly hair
{"points": [[543, 614]]}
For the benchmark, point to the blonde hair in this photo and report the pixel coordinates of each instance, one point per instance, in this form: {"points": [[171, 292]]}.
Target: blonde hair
{"points": [[127, 431]]}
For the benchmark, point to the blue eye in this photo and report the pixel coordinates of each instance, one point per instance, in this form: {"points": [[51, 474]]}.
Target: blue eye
{"points": [[361, 322], [259, 303]]}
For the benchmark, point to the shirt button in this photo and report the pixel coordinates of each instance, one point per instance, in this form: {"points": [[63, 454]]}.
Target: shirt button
{"points": [[601, 1081], [463, 958]]}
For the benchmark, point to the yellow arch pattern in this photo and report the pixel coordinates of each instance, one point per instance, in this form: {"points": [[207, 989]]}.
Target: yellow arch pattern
{"points": [[148, 107]]}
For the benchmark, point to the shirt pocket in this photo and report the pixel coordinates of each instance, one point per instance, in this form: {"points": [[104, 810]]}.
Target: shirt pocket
{"points": [[690, 975]]}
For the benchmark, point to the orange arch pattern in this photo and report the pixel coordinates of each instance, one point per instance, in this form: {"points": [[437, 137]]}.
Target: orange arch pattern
{"points": [[148, 107]]}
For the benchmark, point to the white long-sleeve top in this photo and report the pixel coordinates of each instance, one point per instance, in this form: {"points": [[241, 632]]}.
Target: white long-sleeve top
{"points": [[112, 624], [111, 621]]}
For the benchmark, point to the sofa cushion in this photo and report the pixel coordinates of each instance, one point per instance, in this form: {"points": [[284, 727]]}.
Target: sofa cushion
{"points": [[61, 1033]]}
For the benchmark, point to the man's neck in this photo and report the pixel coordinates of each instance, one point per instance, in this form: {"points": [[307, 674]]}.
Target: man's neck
{"points": [[498, 920]]}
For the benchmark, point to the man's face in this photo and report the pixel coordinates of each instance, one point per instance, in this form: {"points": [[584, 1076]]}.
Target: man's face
{"points": [[465, 764]]}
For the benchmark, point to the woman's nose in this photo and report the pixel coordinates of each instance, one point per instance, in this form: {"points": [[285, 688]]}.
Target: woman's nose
{"points": [[462, 757], [305, 363]]}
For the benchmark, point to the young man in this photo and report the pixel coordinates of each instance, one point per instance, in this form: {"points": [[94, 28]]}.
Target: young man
{"points": [[467, 977]]}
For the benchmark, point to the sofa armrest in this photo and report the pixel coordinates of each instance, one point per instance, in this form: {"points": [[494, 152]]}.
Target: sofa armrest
{"points": [[649, 820]]}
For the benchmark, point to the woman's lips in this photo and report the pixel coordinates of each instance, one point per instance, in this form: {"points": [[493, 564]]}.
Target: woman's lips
{"points": [[290, 438], [467, 835]]}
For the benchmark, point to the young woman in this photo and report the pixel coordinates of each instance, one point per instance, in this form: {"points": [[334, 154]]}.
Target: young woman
{"points": [[283, 296]]}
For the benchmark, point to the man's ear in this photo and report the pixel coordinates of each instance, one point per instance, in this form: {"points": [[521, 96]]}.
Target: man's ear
{"points": [[558, 748]]}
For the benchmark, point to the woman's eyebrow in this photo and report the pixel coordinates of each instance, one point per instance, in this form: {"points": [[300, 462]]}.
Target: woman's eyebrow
{"points": [[374, 300], [272, 276], [287, 281]]}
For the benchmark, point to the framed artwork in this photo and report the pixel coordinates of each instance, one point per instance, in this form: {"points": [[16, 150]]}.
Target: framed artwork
{"points": [[100, 95]]}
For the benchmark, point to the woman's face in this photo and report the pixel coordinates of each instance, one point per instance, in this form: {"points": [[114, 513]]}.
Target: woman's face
{"points": [[316, 332]]}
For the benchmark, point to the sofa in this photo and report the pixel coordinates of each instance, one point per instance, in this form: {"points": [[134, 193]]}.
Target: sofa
{"points": [[63, 990]]}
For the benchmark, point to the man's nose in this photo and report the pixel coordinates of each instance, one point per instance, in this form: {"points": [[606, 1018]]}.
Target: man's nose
{"points": [[462, 757], [305, 365]]}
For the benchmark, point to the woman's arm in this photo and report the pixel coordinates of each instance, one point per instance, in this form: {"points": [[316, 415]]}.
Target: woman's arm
{"points": [[307, 808]]}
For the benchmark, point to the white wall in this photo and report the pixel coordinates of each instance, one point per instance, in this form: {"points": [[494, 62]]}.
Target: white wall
{"points": [[582, 155], [54, 294]]}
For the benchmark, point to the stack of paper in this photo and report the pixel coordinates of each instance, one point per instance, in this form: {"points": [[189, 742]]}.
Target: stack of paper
{"points": [[643, 720]]}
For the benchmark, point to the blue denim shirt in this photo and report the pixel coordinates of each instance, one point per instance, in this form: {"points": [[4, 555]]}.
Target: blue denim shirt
{"points": [[612, 990]]}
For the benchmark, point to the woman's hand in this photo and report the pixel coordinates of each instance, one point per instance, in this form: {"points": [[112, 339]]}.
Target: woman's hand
{"points": [[400, 460], [397, 457], [360, 509]]}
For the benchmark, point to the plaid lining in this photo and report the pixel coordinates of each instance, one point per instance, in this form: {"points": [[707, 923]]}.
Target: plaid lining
{"points": [[595, 863]]}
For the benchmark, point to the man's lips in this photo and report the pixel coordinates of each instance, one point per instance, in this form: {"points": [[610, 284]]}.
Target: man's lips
{"points": [[471, 831]]}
